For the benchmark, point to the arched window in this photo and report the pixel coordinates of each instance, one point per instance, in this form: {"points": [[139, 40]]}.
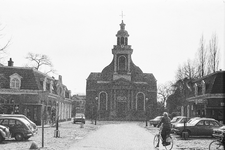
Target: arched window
{"points": [[103, 101], [118, 41], [126, 41], [15, 81], [122, 40], [140, 101], [122, 63]]}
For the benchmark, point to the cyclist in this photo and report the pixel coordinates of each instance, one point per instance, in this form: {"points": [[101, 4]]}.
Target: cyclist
{"points": [[166, 127]]}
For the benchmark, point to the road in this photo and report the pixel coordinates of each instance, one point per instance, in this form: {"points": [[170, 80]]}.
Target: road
{"points": [[124, 136]]}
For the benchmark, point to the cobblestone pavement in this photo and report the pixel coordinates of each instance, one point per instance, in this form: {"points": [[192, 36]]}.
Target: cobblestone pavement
{"points": [[71, 133]]}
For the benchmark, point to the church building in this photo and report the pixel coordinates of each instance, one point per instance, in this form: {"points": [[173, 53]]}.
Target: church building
{"points": [[121, 91]]}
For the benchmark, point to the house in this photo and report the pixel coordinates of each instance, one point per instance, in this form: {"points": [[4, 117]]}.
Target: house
{"points": [[208, 97], [202, 97], [25, 90], [121, 91]]}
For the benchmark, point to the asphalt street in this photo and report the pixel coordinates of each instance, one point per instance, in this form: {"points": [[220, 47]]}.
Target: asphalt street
{"points": [[125, 136]]}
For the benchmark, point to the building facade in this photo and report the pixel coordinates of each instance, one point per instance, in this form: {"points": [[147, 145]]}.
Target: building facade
{"points": [[121, 91], [79, 103], [205, 97], [27, 91]]}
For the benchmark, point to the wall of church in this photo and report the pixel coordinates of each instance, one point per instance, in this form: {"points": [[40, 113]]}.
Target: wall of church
{"points": [[129, 104]]}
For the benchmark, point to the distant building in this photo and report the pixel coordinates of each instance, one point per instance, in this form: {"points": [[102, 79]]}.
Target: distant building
{"points": [[121, 91], [80, 101], [27, 91]]}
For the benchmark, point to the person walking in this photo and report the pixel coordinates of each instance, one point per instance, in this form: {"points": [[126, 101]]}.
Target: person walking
{"points": [[166, 127]]}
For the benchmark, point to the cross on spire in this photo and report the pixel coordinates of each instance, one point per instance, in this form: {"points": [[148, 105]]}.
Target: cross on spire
{"points": [[122, 15]]}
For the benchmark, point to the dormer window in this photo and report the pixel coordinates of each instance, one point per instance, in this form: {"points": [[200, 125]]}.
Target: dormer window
{"points": [[196, 89], [15, 81], [203, 87]]}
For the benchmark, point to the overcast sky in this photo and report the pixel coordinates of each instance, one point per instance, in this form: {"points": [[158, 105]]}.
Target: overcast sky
{"points": [[78, 36]]}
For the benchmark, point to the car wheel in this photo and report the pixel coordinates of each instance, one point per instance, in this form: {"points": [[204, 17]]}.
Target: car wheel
{"points": [[1, 138], [19, 136]]}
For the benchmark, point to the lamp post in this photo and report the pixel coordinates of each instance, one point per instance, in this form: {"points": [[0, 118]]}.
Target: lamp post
{"points": [[57, 133], [96, 110], [146, 99], [42, 121]]}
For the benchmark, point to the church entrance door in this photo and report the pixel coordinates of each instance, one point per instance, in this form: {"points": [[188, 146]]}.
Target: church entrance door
{"points": [[121, 109]]}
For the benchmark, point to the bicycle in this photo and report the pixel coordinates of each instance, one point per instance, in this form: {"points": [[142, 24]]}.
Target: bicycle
{"points": [[158, 138], [217, 144]]}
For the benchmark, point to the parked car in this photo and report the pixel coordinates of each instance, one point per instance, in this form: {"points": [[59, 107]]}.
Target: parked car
{"points": [[79, 117], [155, 121], [198, 127], [19, 128], [4, 133], [180, 120], [34, 126], [176, 118]]}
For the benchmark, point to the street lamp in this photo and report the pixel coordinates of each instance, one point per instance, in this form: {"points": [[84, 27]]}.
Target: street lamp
{"points": [[42, 120], [57, 132], [96, 111], [146, 99]]}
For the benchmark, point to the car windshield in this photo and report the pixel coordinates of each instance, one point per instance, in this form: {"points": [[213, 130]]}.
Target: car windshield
{"points": [[159, 117], [192, 119], [79, 115], [175, 119]]}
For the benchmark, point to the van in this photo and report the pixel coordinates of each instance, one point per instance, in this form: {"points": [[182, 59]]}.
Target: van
{"points": [[34, 126], [19, 128]]}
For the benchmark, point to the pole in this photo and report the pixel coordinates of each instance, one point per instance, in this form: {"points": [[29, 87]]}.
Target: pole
{"points": [[42, 122], [146, 115]]}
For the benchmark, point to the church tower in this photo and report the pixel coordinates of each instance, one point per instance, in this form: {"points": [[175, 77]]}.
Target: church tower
{"points": [[121, 91], [122, 55]]}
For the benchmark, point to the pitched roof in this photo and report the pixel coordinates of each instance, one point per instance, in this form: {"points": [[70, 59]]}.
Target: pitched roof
{"points": [[214, 82]]}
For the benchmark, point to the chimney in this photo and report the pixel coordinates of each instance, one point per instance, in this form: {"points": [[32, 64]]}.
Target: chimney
{"points": [[10, 62]]}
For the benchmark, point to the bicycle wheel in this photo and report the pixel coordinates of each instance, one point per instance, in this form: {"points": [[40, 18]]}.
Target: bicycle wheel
{"points": [[216, 145], [169, 141], [156, 140]]}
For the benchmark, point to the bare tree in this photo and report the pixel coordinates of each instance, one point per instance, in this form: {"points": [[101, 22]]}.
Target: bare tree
{"points": [[187, 70], [40, 60], [213, 55], [202, 58], [3, 44], [164, 91]]}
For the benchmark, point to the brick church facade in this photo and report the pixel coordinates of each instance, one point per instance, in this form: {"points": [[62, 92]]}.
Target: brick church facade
{"points": [[121, 91]]}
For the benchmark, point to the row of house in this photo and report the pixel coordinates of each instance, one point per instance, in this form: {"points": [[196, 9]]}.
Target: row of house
{"points": [[25, 90], [204, 97]]}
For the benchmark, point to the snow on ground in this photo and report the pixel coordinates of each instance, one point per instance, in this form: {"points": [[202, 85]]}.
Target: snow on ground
{"points": [[70, 133]]}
